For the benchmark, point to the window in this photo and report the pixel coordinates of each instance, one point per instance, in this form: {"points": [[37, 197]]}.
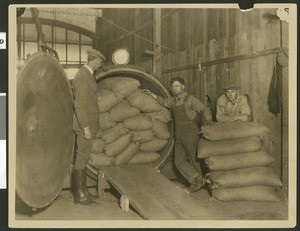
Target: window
{"points": [[71, 46]]}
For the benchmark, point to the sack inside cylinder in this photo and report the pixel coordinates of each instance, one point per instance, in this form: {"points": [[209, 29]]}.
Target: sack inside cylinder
{"points": [[134, 116]]}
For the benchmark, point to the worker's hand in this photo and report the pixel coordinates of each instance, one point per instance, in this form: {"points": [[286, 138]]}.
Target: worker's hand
{"points": [[99, 134], [87, 133], [147, 91]]}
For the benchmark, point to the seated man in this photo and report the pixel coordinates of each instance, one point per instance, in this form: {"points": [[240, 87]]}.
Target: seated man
{"points": [[232, 106]]}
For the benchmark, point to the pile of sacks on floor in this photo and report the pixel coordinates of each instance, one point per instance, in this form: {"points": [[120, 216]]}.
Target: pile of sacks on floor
{"points": [[239, 169], [133, 125]]}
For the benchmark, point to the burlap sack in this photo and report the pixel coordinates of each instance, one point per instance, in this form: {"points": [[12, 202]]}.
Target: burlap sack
{"points": [[123, 111], [98, 146], [121, 86], [144, 158], [126, 155], [226, 147], [107, 99], [244, 177], [138, 123], [250, 193], [142, 136], [161, 130], [104, 122], [162, 115], [153, 146], [236, 161], [114, 148], [233, 130], [101, 159], [112, 134], [143, 101]]}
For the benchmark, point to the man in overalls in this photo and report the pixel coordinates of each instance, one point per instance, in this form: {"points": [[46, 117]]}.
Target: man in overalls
{"points": [[185, 108]]}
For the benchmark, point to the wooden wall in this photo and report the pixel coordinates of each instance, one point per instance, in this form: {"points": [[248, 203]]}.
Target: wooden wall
{"points": [[189, 35], [116, 30]]}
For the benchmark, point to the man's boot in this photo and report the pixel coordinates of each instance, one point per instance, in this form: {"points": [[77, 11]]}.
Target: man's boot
{"points": [[197, 184], [86, 191], [80, 185]]}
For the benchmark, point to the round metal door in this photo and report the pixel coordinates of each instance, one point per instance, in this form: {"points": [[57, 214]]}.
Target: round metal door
{"points": [[148, 81], [45, 140]]}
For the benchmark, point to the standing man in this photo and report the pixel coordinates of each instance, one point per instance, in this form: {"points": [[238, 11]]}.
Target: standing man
{"points": [[185, 108], [232, 106], [85, 122]]}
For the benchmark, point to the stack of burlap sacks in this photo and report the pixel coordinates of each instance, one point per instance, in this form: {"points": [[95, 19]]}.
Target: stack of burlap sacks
{"points": [[239, 169], [133, 125]]}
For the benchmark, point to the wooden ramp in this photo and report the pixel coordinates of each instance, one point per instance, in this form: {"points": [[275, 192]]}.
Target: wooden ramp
{"points": [[152, 195]]}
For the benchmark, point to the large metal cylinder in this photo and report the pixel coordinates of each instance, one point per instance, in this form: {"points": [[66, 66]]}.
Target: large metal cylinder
{"points": [[148, 81], [44, 138]]}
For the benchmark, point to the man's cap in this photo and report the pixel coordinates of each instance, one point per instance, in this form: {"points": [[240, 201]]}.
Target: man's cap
{"points": [[93, 54], [231, 87], [178, 79]]}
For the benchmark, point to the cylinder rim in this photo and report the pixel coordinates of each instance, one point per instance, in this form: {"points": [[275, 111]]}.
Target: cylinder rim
{"points": [[124, 69]]}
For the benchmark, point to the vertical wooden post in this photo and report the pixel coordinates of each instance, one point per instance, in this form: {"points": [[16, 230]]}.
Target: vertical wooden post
{"points": [[66, 39], [135, 41], [157, 41], [19, 38], [284, 113], [124, 203], [101, 180]]}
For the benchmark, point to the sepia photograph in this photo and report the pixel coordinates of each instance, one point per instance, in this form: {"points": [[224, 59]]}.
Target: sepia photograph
{"points": [[152, 116]]}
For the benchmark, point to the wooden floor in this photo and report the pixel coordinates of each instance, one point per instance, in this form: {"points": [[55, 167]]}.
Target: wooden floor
{"points": [[196, 206]]}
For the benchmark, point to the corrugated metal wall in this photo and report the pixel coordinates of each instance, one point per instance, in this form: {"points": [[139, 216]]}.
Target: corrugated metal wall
{"points": [[210, 35]]}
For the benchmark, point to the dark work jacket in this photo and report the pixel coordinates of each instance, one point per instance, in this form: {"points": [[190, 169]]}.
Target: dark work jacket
{"points": [[275, 91], [85, 101]]}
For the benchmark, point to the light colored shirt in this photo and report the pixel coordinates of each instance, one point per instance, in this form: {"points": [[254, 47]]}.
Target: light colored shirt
{"points": [[90, 69], [192, 105], [228, 111]]}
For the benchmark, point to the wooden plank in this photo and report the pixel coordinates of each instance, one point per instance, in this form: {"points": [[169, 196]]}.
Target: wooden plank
{"points": [[173, 30], [159, 191], [206, 27], [285, 115], [239, 22], [196, 27], [167, 199], [232, 22], [255, 91], [165, 33], [252, 68], [157, 41], [244, 79], [212, 55], [219, 54], [221, 24], [182, 24], [187, 33], [140, 198], [245, 24], [222, 76], [188, 206], [226, 23], [213, 20], [255, 18]]}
